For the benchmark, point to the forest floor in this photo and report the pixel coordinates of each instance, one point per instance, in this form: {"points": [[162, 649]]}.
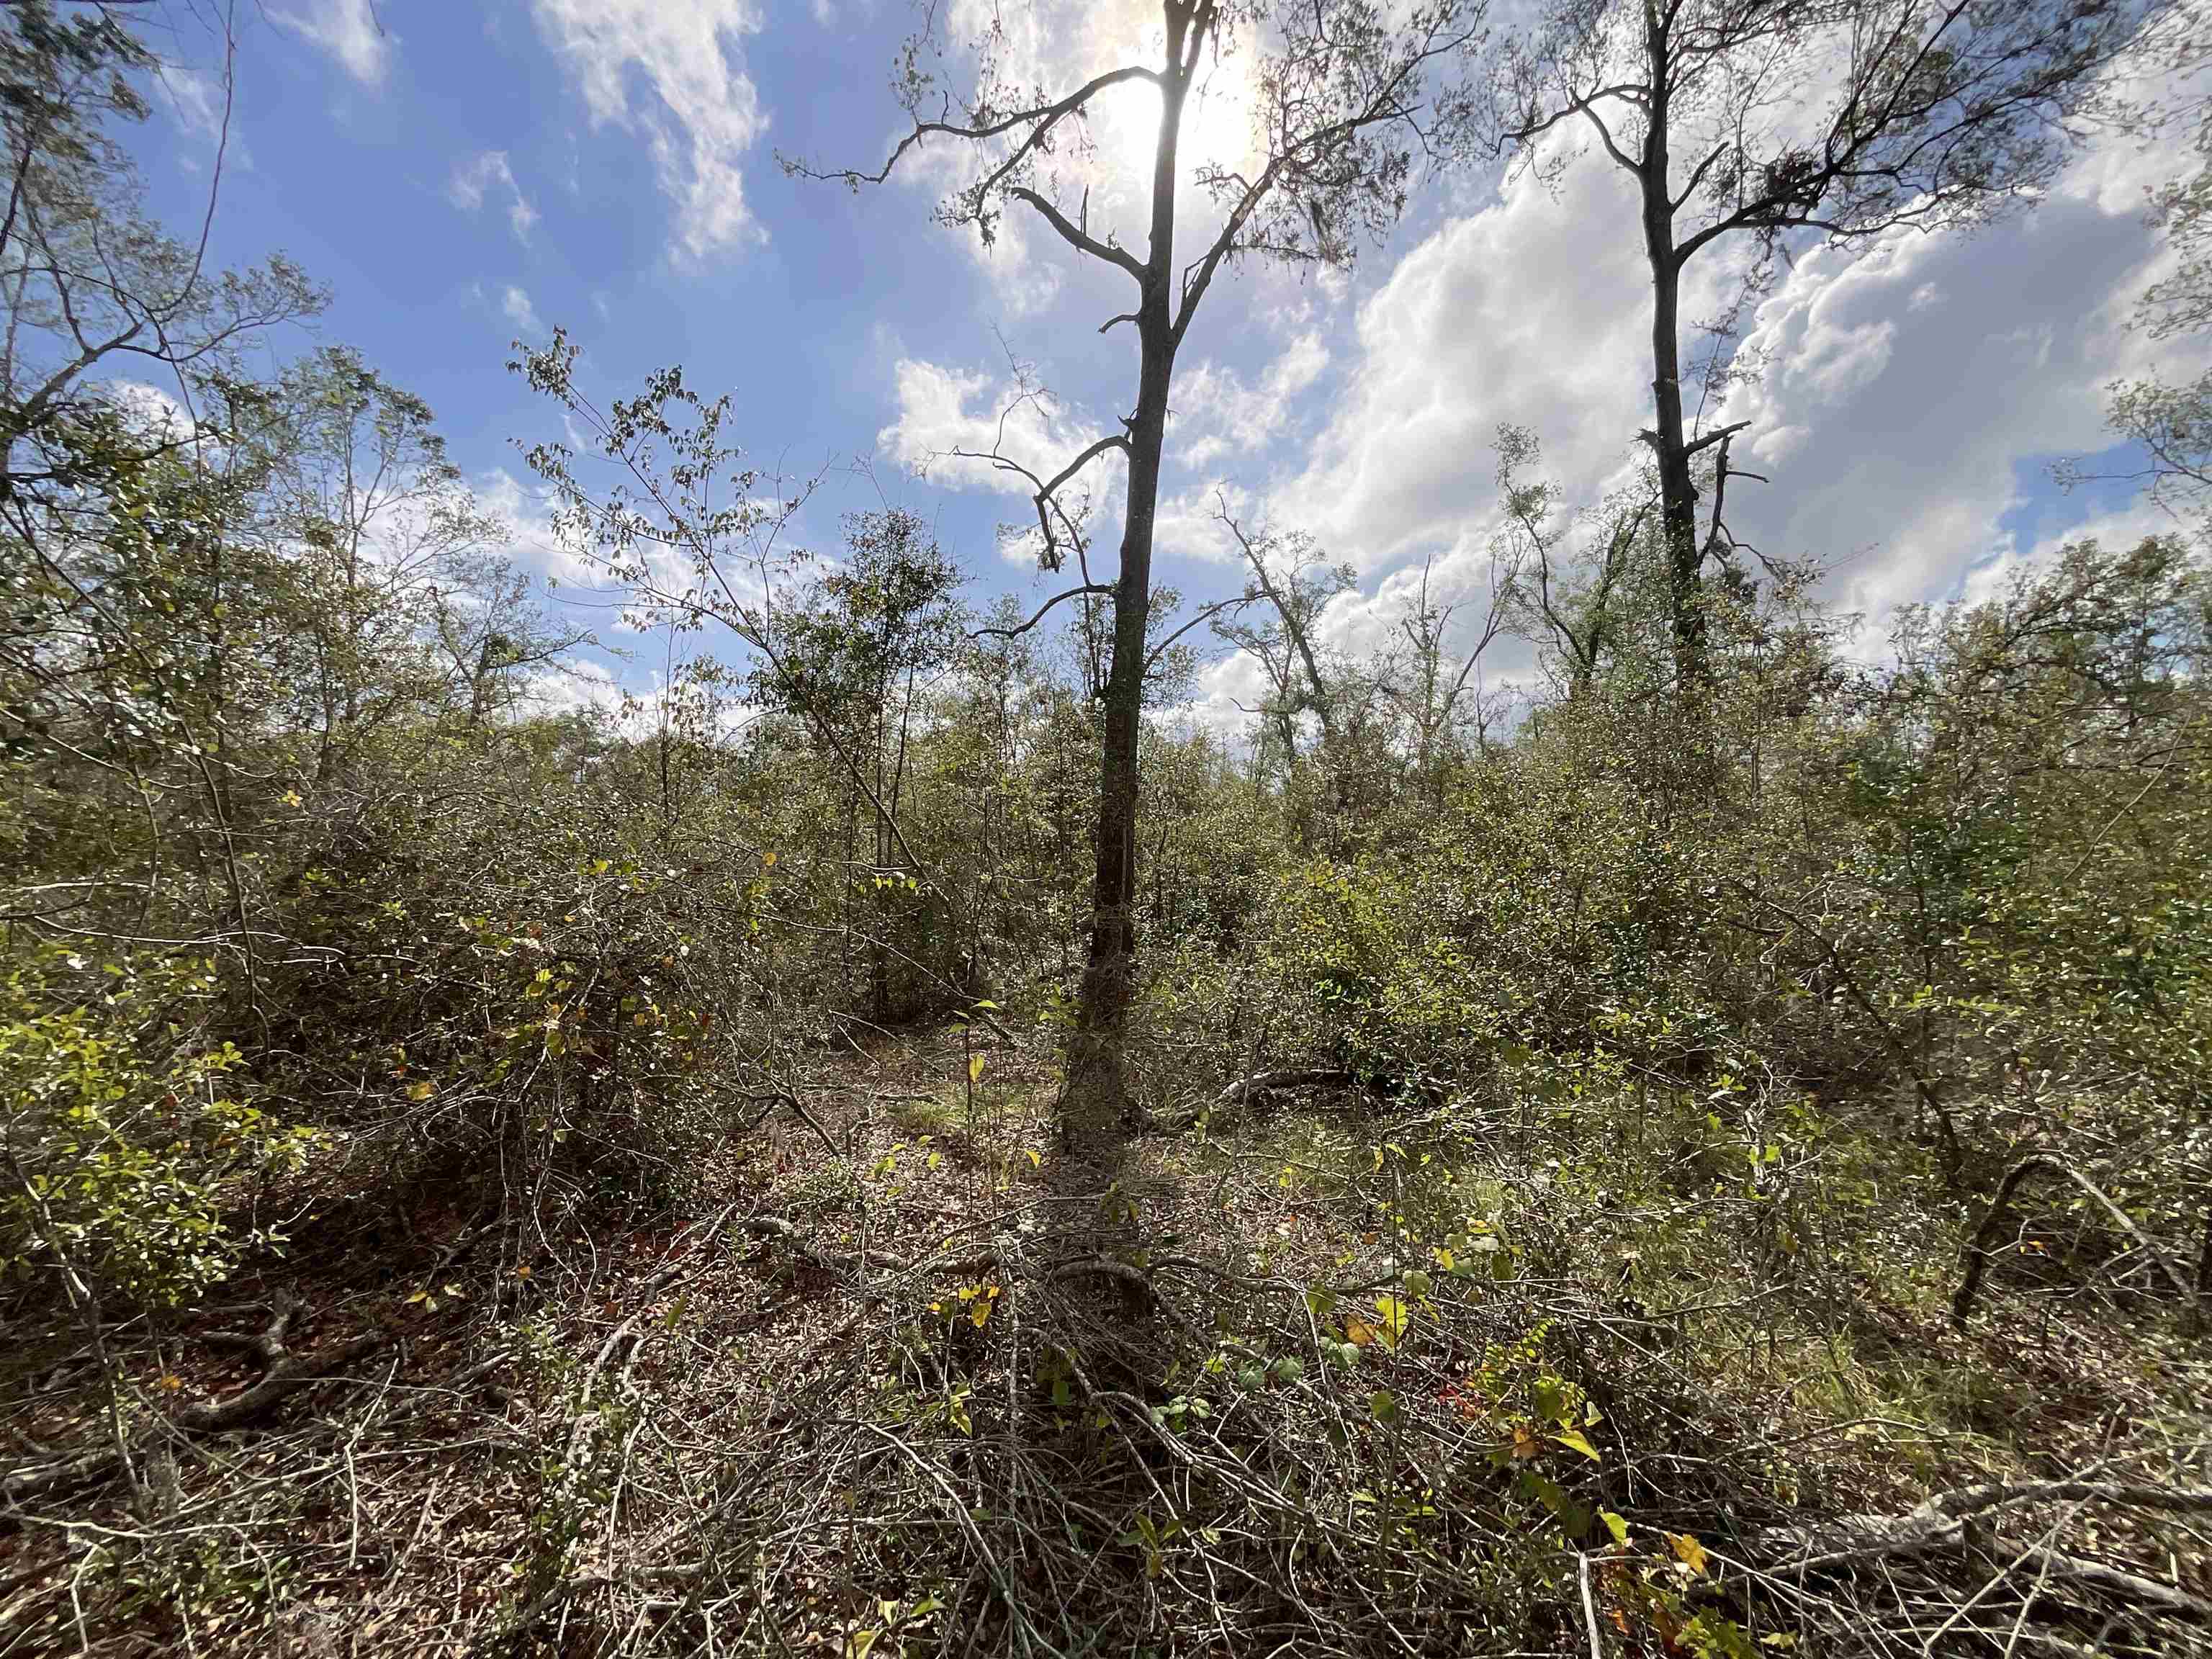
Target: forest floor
{"points": [[887, 1379]]}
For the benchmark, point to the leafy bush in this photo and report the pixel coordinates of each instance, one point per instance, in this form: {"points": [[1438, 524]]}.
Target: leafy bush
{"points": [[126, 1137]]}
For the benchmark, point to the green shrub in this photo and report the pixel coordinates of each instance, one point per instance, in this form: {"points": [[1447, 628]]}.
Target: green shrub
{"points": [[126, 1131]]}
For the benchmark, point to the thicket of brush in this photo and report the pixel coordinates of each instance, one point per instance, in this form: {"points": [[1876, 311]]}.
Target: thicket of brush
{"points": [[1703, 1171]]}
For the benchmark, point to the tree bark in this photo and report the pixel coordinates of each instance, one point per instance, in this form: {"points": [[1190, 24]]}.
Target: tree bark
{"points": [[1096, 1110], [1678, 493]]}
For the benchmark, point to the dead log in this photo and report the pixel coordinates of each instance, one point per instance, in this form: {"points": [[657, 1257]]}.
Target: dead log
{"points": [[56, 1478], [284, 1373], [287, 1375]]}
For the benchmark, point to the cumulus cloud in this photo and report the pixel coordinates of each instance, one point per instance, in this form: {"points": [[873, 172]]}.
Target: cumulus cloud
{"points": [[156, 415], [942, 410], [1217, 413], [351, 33], [481, 175], [2011, 557], [571, 686], [1187, 523], [672, 71], [1912, 389], [526, 534], [1532, 310]]}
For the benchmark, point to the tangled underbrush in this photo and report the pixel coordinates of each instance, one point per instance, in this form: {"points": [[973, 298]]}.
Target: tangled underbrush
{"points": [[1464, 1377]]}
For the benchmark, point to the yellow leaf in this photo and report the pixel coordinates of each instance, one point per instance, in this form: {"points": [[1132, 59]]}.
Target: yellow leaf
{"points": [[1036, 1159], [422, 1090], [1688, 1550], [769, 858], [1391, 1317], [1525, 1443], [172, 1382], [1574, 1440], [858, 1643], [1358, 1332], [974, 1069]]}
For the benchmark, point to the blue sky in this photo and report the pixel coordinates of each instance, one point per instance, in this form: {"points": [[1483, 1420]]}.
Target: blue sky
{"points": [[460, 174]]}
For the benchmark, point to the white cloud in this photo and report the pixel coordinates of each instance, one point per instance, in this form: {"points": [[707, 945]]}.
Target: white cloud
{"points": [[671, 70], [941, 410], [1913, 390], [1217, 413], [197, 104], [573, 685], [527, 531], [2124, 529], [350, 32], [1229, 689], [1533, 310], [154, 414], [520, 312], [472, 179], [1187, 523]]}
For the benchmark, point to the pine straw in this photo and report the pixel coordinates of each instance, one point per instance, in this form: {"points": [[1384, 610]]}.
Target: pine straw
{"points": [[780, 1428]]}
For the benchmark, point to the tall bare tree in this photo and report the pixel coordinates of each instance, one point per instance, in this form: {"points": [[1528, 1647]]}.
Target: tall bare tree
{"points": [[1418, 678], [1341, 111], [1579, 615], [1777, 119], [1289, 573]]}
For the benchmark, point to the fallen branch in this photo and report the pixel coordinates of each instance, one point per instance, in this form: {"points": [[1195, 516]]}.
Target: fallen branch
{"points": [[1977, 1248], [284, 1374], [1293, 1078], [58, 1478], [841, 1266], [1245, 1090], [2129, 1586], [1942, 1520]]}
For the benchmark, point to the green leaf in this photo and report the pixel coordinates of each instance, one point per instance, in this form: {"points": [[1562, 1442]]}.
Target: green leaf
{"points": [[1383, 1406], [1615, 1525]]}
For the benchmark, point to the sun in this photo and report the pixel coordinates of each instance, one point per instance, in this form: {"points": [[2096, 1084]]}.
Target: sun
{"points": [[1217, 123]]}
